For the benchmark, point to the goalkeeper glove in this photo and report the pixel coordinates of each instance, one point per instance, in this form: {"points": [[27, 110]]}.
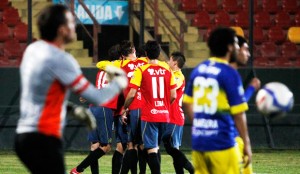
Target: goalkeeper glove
{"points": [[82, 114], [117, 75]]}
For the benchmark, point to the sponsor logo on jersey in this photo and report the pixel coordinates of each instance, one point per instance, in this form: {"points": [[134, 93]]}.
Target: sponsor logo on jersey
{"points": [[155, 111], [160, 71]]}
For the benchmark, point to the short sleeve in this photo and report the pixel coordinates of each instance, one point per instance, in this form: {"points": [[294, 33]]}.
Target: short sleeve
{"points": [[232, 84], [173, 84], [103, 64], [136, 79]]}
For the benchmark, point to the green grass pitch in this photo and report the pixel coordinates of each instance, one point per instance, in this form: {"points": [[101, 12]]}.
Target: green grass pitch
{"points": [[264, 162]]}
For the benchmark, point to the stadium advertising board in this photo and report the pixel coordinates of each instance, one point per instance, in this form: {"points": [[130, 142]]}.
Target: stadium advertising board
{"points": [[106, 12]]}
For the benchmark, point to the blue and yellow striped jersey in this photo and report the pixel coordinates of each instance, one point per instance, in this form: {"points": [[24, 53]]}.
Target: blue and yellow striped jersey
{"points": [[215, 90]]}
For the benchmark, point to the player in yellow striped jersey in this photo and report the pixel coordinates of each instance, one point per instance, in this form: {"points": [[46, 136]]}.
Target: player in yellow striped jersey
{"points": [[172, 136], [129, 63]]}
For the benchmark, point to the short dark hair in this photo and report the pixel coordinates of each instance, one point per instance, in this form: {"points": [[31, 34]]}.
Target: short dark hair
{"points": [[179, 58], [114, 52], [242, 40], [126, 47], [219, 40], [50, 19], [140, 52], [152, 49]]}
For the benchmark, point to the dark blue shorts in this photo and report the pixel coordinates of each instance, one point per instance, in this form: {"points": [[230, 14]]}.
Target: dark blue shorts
{"points": [[103, 132], [173, 134], [133, 126], [152, 133], [120, 130]]}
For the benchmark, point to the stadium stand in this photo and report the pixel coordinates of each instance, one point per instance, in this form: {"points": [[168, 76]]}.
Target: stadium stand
{"points": [[222, 18], [231, 6], [189, 5], [4, 30], [262, 19], [202, 20], [276, 35], [242, 19], [3, 4], [10, 16], [294, 34], [290, 6], [210, 6], [283, 20], [270, 6]]}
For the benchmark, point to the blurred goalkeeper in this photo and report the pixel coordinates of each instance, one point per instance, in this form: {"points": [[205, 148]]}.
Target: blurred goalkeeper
{"points": [[48, 74]]}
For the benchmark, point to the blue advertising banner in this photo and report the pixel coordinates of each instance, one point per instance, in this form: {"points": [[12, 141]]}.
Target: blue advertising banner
{"points": [[106, 12]]}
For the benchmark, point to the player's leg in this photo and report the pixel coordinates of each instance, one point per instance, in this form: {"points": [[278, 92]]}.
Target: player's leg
{"points": [[131, 157], [172, 142], [167, 140], [150, 138], [101, 139], [121, 140], [224, 161], [240, 146], [40, 153], [143, 157], [199, 162]]}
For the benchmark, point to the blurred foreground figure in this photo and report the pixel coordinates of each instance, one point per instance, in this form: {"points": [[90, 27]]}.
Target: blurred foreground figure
{"points": [[48, 74]]}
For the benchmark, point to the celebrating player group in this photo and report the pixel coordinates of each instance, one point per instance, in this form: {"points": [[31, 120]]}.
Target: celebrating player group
{"points": [[140, 98]]}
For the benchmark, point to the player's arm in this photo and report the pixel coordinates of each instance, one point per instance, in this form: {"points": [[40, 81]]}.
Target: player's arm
{"points": [[129, 98], [238, 106], [188, 110], [69, 74], [187, 102], [173, 95], [173, 87], [135, 83], [253, 86]]}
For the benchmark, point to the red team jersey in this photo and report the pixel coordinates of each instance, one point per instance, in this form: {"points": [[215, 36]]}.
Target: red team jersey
{"points": [[155, 83], [129, 66], [102, 81], [176, 112]]}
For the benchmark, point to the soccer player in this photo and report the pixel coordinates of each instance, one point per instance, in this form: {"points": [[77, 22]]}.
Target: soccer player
{"points": [[48, 74], [173, 134], [241, 60], [129, 63], [131, 156], [158, 89], [214, 94], [101, 137]]}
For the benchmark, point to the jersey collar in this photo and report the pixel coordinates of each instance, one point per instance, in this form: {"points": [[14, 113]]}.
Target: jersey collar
{"points": [[219, 60]]}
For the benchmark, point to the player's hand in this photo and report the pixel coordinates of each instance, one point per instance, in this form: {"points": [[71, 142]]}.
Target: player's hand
{"points": [[247, 158], [82, 114], [255, 82], [117, 75], [124, 117], [82, 100]]}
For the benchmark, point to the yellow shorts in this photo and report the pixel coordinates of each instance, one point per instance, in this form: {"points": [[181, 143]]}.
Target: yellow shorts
{"points": [[240, 146], [217, 162]]}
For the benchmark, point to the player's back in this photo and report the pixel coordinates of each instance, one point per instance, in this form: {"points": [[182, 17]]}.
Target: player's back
{"points": [[217, 93], [44, 77], [157, 82]]}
